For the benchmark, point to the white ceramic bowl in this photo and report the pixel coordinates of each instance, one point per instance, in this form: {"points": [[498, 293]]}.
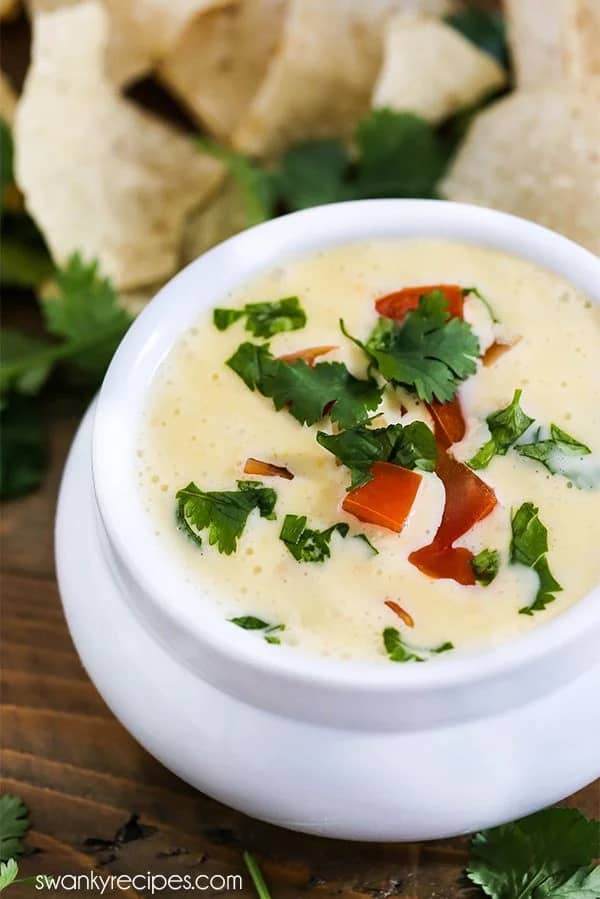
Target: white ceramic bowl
{"points": [[354, 720]]}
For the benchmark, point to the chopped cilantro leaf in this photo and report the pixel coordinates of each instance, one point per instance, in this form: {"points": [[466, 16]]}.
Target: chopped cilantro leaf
{"points": [[548, 855], [366, 540], [399, 651], [428, 351], [264, 319], [411, 446], [306, 544], [467, 291], [14, 824], [306, 391], [8, 873], [250, 623], [529, 546], [552, 451], [506, 426], [485, 566], [224, 513]]}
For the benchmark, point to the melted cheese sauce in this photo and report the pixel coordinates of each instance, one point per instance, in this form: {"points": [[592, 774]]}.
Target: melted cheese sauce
{"points": [[202, 423]]}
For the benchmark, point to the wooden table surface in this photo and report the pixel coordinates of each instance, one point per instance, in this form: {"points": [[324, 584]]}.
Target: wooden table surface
{"points": [[83, 776]]}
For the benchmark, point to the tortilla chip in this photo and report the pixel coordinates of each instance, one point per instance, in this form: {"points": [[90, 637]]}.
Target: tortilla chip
{"points": [[98, 174], [141, 31], [582, 39], [220, 60], [535, 154], [225, 216], [535, 32], [8, 100], [432, 70], [320, 79]]}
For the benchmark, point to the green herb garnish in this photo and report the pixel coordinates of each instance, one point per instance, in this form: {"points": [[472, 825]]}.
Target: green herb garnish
{"points": [[468, 291], [264, 319], [256, 185], [485, 566], [399, 651], [549, 451], [84, 314], [506, 426], [306, 391], [529, 546], [14, 824], [306, 544], [251, 623], [257, 878], [549, 855], [224, 513], [366, 540], [483, 27], [411, 446], [429, 351]]}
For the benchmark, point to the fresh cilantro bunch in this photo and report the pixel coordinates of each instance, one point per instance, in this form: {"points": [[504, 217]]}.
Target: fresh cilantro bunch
{"points": [[411, 446], [306, 544], [306, 391], [87, 323], [428, 351], [264, 319], [223, 513], [549, 855], [399, 651], [14, 824], [529, 546], [506, 426], [485, 566]]}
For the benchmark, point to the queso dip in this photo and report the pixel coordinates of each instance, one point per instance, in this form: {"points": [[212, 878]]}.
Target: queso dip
{"points": [[436, 489]]}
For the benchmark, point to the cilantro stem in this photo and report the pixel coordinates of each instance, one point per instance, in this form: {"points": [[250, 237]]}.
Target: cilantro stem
{"points": [[258, 880]]}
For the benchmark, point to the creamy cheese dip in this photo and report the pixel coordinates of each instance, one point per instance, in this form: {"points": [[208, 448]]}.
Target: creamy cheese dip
{"points": [[202, 423]]}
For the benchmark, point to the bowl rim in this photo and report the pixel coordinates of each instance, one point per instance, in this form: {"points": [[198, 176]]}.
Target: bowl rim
{"points": [[179, 303]]}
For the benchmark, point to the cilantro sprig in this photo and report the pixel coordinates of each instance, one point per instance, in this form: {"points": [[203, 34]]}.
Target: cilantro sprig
{"points": [[529, 546], [307, 544], [486, 565], [411, 446], [264, 319], [506, 426], [400, 651], [429, 351], [223, 513], [14, 824], [548, 855], [554, 450], [306, 391]]}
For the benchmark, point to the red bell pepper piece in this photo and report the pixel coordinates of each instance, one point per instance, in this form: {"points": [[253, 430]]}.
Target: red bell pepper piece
{"points": [[396, 305], [387, 499], [309, 355], [449, 421], [468, 500]]}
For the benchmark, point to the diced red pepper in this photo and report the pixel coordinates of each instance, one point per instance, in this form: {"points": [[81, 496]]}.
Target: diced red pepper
{"points": [[387, 499], [468, 500], [396, 305], [451, 562], [448, 420], [267, 469], [309, 355], [397, 609]]}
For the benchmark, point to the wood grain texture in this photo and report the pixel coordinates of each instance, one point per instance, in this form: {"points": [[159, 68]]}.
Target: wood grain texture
{"points": [[83, 776]]}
